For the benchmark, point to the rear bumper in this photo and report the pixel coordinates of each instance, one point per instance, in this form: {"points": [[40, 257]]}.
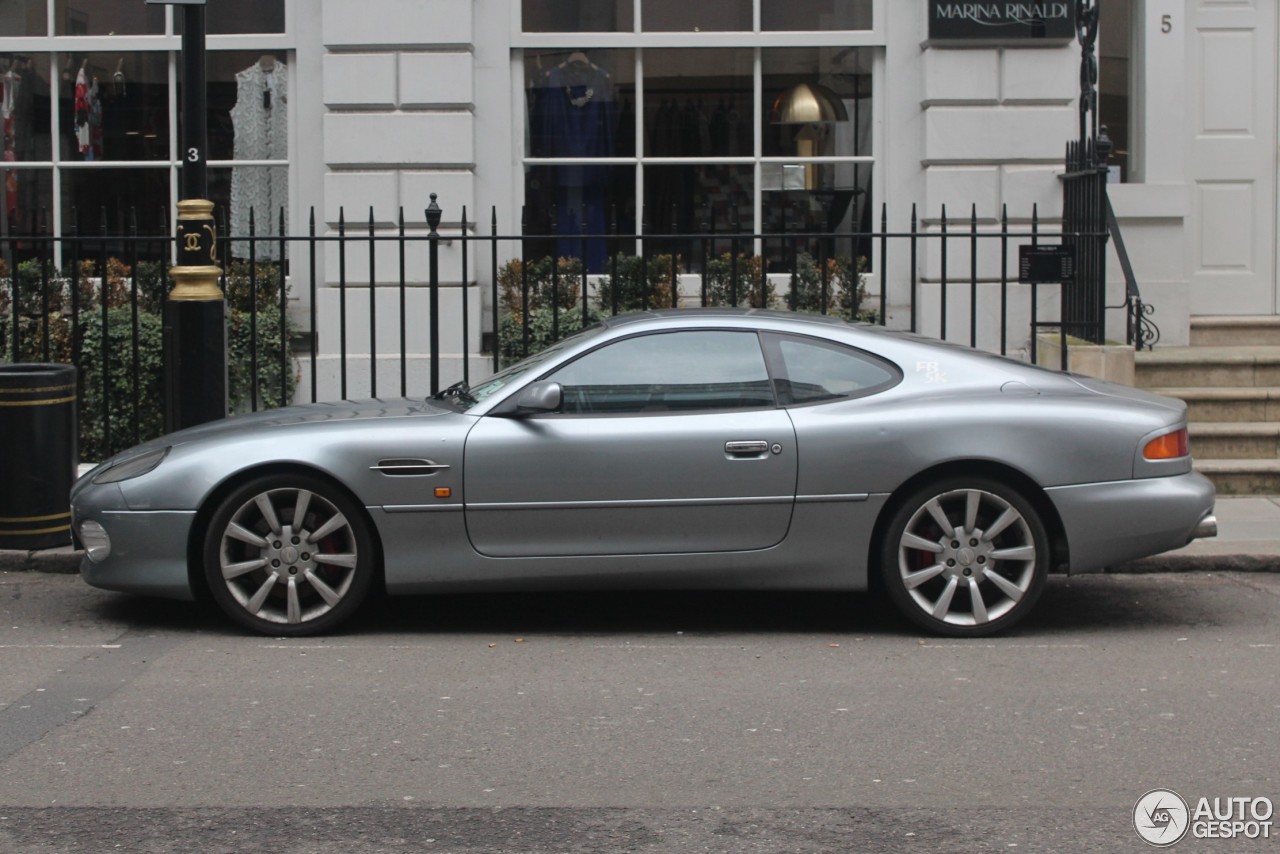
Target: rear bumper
{"points": [[1109, 523]]}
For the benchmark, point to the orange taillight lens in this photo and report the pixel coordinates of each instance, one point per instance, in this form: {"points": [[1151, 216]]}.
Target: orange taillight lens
{"points": [[1167, 447]]}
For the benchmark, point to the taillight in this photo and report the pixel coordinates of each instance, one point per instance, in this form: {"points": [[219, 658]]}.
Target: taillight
{"points": [[1167, 447]]}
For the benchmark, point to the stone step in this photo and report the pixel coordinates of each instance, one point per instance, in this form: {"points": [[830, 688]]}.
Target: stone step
{"points": [[1235, 330], [1219, 440], [1249, 366], [1227, 404], [1242, 477]]}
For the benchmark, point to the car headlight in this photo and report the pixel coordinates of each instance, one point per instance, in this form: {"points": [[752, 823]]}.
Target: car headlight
{"points": [[133, 467], [97, 545]]}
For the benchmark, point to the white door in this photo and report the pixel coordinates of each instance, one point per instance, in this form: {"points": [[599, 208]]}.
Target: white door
{"points": [[1231, 111]]}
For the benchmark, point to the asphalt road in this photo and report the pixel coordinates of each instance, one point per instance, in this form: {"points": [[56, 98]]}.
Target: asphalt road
{"points": [[647, 723]]}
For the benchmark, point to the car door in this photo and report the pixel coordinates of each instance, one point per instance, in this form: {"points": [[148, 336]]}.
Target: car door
{"points": [[667, 443]]}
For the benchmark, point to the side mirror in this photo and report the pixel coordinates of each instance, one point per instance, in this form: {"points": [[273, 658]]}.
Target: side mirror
{"points": [[545, 396]]}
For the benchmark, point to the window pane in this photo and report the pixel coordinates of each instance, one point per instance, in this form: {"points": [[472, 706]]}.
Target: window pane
{"points": [[579, 104], [818, 371], [698, 103], [580, 198], [577, 16], [815, 15], [25, 118], [24, 17], [699, 199], [833, 219], [89, 193], [107, 17], [232, 17], [28, 203], [682, 16], [1115, 86], [247, 105], [818, 102], [114, 106], [241, 16], [671, 372]]}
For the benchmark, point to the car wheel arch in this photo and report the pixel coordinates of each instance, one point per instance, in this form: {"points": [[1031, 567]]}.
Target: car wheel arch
{"points": [[215, 497], [1006, 474]]}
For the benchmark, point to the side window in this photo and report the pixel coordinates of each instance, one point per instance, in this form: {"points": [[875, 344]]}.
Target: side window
{"points": [[669, 372], [810, 370]]}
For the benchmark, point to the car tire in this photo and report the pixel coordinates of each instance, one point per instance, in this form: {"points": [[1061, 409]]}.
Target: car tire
{"points": [[965, 557], [288, 555]]}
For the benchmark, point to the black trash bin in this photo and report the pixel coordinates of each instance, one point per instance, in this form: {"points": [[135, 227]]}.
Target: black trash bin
{"points": [[39, 454]]}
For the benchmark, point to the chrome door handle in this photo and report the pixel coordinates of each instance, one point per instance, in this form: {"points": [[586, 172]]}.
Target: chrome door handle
{"points": [[747, 448]]}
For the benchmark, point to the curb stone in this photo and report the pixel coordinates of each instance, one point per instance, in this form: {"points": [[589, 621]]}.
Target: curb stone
{"points": [[66, 560]]}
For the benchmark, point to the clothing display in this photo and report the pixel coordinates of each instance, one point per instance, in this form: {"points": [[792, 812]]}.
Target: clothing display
{"points": [[8, 125], [574, 114], [260, 123]]}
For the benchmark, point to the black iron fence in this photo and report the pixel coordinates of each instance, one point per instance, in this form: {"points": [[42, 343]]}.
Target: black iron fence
{"points": [[92, 298]]}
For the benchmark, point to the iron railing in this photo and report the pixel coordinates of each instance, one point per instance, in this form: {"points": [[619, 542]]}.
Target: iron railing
{"points": [[940, 277]]}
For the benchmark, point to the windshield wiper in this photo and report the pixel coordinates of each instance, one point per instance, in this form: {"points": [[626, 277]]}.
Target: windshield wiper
{"points": [[459, 390]]}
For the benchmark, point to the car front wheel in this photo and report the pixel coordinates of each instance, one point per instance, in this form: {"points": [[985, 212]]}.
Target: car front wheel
{"points": [[966, 557], [288, 555]]}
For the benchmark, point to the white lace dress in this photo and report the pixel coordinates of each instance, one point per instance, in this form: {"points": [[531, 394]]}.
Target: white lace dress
{"points": [[260, 122]]}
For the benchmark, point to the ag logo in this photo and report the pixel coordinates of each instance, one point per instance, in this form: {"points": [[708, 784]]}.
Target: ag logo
{"points": [[1161, 817]]}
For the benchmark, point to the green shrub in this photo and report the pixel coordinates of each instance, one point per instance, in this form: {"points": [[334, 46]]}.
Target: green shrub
{"points": [[152, 287], [843, 288], [723, 279], [641, 283]]}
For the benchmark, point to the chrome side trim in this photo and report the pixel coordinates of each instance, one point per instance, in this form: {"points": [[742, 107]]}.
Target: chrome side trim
{"points": [[643, 502], [822, 499], [417, 508]]}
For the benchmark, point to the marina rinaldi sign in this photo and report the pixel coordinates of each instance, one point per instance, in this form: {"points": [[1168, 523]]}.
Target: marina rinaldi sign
{"points": [[1001, 21]]}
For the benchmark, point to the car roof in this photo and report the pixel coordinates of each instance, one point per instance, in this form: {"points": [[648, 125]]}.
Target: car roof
{"points": [[721, 313]]}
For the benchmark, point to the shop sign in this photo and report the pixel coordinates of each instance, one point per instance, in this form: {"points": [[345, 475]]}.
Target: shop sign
{"points": [[955, 21], [1046, 265]]}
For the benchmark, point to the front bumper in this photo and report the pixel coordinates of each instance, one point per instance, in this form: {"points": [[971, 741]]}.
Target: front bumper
{"points": [[1110, 523], [148, 552]]}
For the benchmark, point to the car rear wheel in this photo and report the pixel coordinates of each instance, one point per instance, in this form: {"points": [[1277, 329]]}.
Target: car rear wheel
{"points": [[288, 555], [965, 557]]}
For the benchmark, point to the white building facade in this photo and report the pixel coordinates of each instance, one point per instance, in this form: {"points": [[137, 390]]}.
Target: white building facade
{"points": [[666, 115]]}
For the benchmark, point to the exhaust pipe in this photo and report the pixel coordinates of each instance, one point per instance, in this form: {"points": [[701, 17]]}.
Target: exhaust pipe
{"points": [[1208, 527]]}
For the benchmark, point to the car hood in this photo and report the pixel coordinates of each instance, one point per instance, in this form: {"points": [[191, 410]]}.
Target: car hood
{"points": [[344, 411]]}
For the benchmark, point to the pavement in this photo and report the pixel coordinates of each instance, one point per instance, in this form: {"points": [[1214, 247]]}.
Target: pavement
{"points": [[1248, 541]]}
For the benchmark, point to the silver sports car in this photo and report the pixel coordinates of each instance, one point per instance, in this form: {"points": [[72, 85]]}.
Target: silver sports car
{"points": [[672, 449]]}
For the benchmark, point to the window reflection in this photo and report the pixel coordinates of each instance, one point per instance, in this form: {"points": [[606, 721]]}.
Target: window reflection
{"points": [[815, 15], [229, 17], [577, 16], [24, 17], [89, 195], [107, 18], [682, 16]]}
